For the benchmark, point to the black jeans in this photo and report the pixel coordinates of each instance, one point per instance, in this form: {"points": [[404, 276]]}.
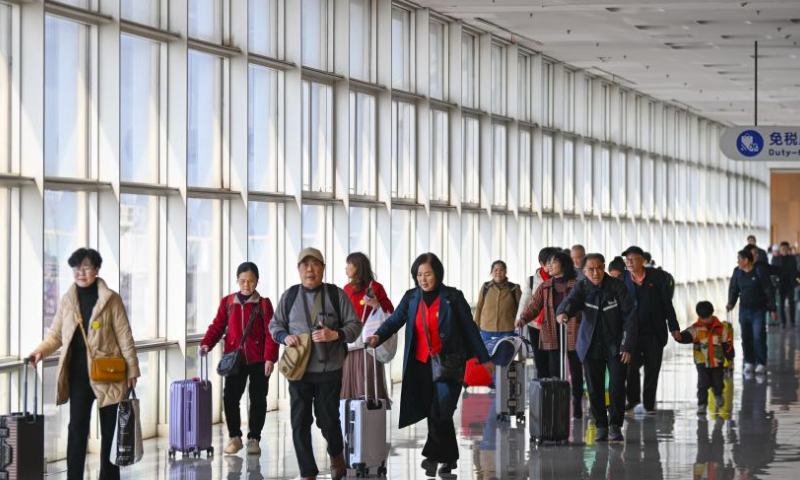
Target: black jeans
{"points": [[709, 377], [575, 370], [441, 445], [648, 353], [595, 371], [323, 397], [787, 296], [81, 398], [232, 395], [540, 357]]}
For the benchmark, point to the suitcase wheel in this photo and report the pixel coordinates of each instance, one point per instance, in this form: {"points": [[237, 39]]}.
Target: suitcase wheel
{"points": [[521, 417]]}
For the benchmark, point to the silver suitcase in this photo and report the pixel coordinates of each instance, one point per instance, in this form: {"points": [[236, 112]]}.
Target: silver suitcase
{"points": [[364, 430], [511, 386]]}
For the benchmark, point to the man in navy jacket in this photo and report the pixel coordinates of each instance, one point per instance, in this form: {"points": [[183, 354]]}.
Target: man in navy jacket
{"points": [[656, 319], [606, 338]]}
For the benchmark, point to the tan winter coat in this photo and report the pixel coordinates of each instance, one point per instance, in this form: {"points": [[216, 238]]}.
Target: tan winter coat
{"points": [[111, 339]]}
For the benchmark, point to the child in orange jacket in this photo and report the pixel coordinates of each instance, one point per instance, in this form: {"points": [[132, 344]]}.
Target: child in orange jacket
{"points": [[712, 346]]}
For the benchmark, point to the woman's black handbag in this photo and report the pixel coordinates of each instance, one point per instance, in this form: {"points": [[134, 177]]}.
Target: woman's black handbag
{"points": [[231, 362], [447, 367]]}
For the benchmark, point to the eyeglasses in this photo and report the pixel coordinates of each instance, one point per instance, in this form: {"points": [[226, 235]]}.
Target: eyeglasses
{"points": [[594, 269], [84, 270]]}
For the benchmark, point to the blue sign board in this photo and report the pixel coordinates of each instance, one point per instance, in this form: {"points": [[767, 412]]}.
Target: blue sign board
{"points": [[761, 143]]}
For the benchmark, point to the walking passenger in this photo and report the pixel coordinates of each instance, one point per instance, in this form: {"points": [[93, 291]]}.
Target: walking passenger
{"points": [[498, 302], [712, 346], [260, 352], [90, 322], [650, 291], [545, 300], [326, 311], [606, 338], [366, 295], [786, 268], [578, 253], [530, 286], [440, 338], [749, 284]]}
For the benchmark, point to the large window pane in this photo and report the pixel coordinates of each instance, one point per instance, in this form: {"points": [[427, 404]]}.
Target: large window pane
{"points": [[364, 231], [586, 175], [569, 176], [361, 39], [569, 100], [498, 79], [404, 158], [318, 232], [440, 157], [262, 27], [363, 161], [146, 12], [315, 33], [139, 109], [203, 262], [605, 180], [205, 20], [5, 269], [205, 120], [401, 48], [547, 172], [547, 93], [65, 230], [265, 223], [472, 160], [317, 137], [6, 59], [265, 167], [66, 98], [525, 168], [500, 164], [471, 269], [469, 62], [404, 240], [139, 259], [523, 87], [438, 59]]}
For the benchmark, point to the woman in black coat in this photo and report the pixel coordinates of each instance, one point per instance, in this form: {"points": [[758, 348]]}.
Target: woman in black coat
{"points": [[452, 336]]}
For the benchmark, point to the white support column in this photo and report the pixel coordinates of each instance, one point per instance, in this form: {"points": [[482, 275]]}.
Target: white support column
{"points": [[486, 137], [108, 148], [30, 268], [239, 145], [384, 102], [456, 132], [177, 112], [512, 132]]}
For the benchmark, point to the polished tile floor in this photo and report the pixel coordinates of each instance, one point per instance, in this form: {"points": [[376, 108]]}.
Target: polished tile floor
{"points": [[759, 437]]}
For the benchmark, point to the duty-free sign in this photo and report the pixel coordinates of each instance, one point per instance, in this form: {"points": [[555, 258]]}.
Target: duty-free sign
{"points": [[761, 143]]}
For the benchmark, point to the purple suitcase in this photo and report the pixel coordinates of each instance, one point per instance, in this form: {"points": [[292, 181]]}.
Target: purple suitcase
{"points": [[190, 414]]}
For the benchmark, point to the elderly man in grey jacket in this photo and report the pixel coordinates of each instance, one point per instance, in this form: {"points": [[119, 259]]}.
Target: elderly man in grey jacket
{"points": [[326, 311]]}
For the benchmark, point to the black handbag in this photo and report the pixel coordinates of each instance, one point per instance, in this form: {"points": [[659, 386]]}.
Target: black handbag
{"points": [[445, 367], [231, 362]]}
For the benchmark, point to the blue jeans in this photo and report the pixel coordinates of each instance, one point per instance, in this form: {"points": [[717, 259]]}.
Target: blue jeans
{"points": [[754, 335]]}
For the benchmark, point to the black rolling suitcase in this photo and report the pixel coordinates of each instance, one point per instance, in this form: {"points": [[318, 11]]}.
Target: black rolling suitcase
{"points": [[549, 405], [22, 439]]}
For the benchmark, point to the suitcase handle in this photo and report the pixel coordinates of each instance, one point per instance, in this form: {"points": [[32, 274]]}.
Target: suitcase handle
{"points": [[26, 362], [374, 371], [564, 350], [203, 360]]}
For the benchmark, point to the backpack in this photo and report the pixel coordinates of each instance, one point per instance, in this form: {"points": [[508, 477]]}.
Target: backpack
{"points": [[670, 282], [291, 295], [514, 286]]}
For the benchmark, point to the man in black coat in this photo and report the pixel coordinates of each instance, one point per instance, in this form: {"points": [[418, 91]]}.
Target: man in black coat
{"points": [[606, 338], [656, 319], [786, 268]]}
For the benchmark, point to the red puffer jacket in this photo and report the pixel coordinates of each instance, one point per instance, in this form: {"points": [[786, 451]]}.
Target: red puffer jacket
{"points": [[233, 316]]}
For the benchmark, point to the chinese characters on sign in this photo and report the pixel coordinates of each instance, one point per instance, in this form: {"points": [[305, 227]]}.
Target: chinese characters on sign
{"points": [[761, 143]]}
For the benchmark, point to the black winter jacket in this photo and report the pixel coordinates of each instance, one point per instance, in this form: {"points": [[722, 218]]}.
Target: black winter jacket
{"points": [[618, 318]]}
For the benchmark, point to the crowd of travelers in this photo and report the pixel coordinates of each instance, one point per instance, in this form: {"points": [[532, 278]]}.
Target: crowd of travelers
{"points": [[618, 318]]}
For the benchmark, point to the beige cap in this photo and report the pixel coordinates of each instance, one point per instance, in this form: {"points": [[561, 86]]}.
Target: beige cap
{"points": [[310, 252]]}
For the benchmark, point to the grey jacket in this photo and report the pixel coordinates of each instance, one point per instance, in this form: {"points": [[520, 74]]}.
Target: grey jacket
{"points": [[297, 323]]}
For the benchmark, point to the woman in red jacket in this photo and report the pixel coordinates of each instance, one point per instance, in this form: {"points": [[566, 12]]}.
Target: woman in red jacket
{"points": [[260, 354], [366, 295]]}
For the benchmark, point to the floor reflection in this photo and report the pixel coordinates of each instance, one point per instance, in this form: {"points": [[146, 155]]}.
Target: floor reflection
{"points": [[754, 434]]}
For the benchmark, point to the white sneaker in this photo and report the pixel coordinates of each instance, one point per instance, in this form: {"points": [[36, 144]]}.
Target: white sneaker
{"points": [[234, 445], [253, 448], [748, 368], [761, 369], [640, 410]]}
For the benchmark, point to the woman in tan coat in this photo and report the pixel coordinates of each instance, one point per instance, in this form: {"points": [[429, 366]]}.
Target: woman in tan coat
{"points": [[90, 302]]}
